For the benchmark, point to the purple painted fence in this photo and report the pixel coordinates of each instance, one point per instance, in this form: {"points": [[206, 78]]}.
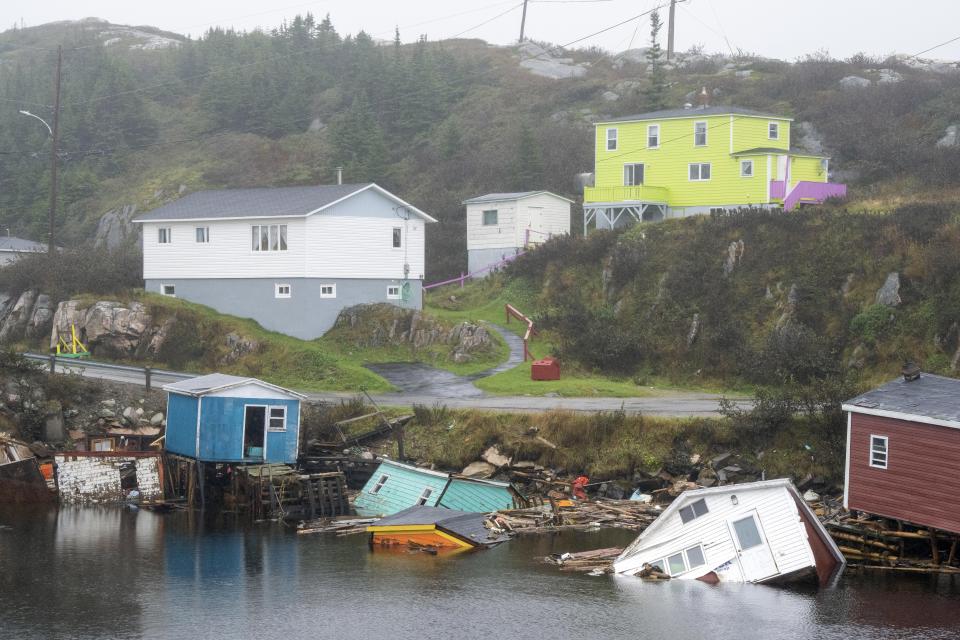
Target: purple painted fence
{"points": [[816, 191], [467, 276]]}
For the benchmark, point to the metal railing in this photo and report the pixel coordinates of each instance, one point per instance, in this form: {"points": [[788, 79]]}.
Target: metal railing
{"points": [[73, 364], [639, 193]]}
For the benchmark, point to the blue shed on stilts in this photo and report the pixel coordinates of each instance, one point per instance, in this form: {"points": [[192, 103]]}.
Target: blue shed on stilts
{"points": [[223, 418]]}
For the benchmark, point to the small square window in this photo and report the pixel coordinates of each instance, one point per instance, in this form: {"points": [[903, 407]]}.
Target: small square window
{"points": [[424, 496], [203, 234], [380, 482], [611, 139], [490, 218], [281, 290], [278, 419], [328, 291], [168, 290], [746, 168], [773, 131], [879, 451], [676, 564], [164, 235], [393, 292], [397, 237], [695, 557]]}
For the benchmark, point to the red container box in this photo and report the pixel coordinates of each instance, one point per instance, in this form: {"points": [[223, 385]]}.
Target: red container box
{"points": [[545, 369]]}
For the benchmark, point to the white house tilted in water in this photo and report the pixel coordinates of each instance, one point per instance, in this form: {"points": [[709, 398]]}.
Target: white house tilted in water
{"points": [[499, 225], [752, 532], [291, 258]]}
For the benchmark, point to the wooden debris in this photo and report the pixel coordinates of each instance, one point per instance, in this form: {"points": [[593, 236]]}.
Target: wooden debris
{"points": [[621, 514]]}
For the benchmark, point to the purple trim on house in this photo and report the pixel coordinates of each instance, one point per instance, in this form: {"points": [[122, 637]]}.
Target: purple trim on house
{"points": [[467, 276], [778, 189], [813, 191]]}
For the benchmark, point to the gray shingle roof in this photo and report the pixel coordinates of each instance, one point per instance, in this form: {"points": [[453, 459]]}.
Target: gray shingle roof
{"points": [[694, 112], [252, 203], [214, 381], [929, 396], [517, 195], [11, 243]]}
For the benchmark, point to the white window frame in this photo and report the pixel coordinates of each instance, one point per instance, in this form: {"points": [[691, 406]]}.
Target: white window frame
{"points": [[614, 138], [271, 417], [278, 290], [496, 218], [653, 131], [382, 480], [664, 562], [282, 236], [164, 235], [745, 163], [424, 496], [393, 296], [629, 167], [693, 512], [697, 133], [205, 235], [773, 128], [874, 462], [331, 294], [163, 290], [700, 166]]}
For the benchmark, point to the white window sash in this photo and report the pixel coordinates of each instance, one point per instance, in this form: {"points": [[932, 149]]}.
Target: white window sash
{"points": [[879, 452], [653, 133], [699, 130], [743, 164], [281, 418], [612, 137]]}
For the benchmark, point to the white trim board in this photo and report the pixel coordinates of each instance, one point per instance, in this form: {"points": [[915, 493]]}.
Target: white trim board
{"points": [[898, 415]]}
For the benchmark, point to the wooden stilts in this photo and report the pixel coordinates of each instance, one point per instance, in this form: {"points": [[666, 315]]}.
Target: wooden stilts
{"points": [[934, 550], [953, 552]]}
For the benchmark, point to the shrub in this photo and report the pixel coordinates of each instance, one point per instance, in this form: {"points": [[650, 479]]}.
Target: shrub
{"points": [[73, 271], [870, 325]]}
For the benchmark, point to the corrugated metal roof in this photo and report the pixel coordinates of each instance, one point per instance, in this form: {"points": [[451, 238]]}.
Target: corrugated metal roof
{"points": [[12, 243], [264, 202], [694, 112], [209, 383], [929, 396], [516, 195]]}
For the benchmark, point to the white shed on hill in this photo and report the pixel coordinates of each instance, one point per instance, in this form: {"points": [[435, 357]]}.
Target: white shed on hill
{"points": [[752, 532], [499, 225]]}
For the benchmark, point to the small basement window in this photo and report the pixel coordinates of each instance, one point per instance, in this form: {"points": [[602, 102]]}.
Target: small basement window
{"points": [[382, 481], [278, 419], [490, 218], [422, 500], [164, 235], [746, 168], [281, 290], [328, 291], [393, 292], [397, 237], [878, 451], [694, 510], [169, 290], [203, 234]]}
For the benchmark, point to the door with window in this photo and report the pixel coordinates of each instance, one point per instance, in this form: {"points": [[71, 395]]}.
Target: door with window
{"points": [[756, 557]]}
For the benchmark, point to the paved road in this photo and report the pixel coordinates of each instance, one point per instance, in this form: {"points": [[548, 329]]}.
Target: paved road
{"points": [[666, 403]]}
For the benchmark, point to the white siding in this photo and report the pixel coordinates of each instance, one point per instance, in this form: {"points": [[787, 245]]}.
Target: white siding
{"points": [[498, 236], [353, 239], [544, 214], [779, 519]]}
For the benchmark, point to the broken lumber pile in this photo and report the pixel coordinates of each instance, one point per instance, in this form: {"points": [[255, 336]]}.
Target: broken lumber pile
{"points": [[595, 562], [555, 516], [340, 526]]}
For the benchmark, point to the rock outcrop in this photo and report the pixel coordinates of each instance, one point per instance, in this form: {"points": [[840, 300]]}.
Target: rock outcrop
{"points": [[17, 316], [889, 293], [116, 228], [377, 325]]}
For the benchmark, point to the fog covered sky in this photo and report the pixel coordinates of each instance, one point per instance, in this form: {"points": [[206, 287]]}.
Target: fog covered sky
{"points": [[777, 29]]}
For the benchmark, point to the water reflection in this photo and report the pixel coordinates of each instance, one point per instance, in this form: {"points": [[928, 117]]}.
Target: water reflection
{"points": [[114, 573]]}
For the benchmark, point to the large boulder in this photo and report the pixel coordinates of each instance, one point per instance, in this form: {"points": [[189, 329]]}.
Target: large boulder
{"points": [[113, 328], [16, 321], [889, 293], [854, 82]]}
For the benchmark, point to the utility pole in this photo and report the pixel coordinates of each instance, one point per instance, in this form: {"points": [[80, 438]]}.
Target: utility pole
{"points": [[54, 150], [673, 11], [523, 20]]}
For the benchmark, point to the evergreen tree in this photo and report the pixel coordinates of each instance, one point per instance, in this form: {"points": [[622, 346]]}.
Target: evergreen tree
{"points": [[656, 93], [358, 143], [527, 171]]}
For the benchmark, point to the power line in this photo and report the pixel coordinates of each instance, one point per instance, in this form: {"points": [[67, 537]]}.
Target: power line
{"points": [[477, 26], [942, 44]]}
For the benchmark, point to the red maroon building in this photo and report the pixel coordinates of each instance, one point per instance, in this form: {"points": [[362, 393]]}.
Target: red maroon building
{"points": [[903, 451]]}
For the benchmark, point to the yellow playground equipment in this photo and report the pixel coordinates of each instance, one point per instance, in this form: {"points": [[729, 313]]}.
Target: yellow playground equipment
{"points": [[74, 349]]}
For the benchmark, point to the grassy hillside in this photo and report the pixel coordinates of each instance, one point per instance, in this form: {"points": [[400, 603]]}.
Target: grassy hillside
{"points": [[797, 302], [435, 121]]}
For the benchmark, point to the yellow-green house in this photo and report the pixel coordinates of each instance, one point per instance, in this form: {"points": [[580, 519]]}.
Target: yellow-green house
{"points": [[681, 162]]}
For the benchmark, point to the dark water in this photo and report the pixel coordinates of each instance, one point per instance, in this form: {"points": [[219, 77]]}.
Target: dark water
{"points": [[111, 573]]}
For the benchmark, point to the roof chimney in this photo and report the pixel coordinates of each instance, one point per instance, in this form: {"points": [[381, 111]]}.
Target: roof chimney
{"points": [[910, 371], [339, 175]]}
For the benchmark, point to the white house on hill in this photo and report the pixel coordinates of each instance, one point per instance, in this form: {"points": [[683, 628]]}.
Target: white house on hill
{"points": [[499, 225], [291, 258], [12, 248]]}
